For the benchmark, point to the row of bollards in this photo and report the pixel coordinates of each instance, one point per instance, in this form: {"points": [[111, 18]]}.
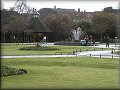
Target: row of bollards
{"points": [[76, 55], [91, 55], [101, 56], [75, 51]]}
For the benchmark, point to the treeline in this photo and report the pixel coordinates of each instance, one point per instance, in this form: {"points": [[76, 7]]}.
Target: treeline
{"points": [[102, 25], [17, 27]]}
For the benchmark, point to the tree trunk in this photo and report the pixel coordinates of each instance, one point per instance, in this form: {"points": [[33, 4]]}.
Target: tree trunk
{"points": [[4, 37], [18, 38], [101, 38]]}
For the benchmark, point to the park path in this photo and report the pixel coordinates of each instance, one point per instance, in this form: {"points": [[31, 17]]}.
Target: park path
{"points": [[103, 54]]}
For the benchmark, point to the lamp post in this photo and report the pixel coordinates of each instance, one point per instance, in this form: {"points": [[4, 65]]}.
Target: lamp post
{"points": [[14, 39], [4, 36], [115, 41]]}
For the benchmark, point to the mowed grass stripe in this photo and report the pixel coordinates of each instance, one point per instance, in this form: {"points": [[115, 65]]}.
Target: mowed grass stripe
{"points": [[80, 72], [68, 61], [15, 50]]}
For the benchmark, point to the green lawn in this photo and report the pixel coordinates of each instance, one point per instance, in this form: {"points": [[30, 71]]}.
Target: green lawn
{"points": [[70, 73], [14, 50]]}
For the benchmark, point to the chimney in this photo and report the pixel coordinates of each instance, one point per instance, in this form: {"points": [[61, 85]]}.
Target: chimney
{"points": [[54, 7], [78, 9]]}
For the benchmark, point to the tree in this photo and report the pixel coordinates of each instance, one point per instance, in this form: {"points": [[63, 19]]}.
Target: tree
{"points": [[17, 25], [5, 20], [84, 25], [60, 24], [13, 23], [104, 23]]}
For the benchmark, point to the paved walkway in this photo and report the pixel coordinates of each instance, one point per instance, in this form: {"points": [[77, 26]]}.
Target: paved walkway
{"points": [[104, 46], [38, 56], [105, 53]]}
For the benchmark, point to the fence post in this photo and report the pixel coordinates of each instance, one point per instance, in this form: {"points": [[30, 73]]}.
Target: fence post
{"points": [[112, 56], [76, 50], [90, 55], [80, 50], [102, 49], [112, 49], [100, 55], [94, 49]]}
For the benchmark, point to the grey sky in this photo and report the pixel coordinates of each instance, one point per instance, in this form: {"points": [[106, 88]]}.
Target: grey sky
{"points": [[71, 4]]}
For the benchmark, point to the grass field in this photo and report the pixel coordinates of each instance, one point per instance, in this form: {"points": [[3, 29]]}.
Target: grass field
{"points": [[63, 73], [14, 50]]}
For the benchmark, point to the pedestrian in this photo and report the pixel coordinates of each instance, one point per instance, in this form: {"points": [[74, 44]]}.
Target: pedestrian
{"points": [[44, 39], [90, 38], [107, 42], [94, 42], [86, 40]]}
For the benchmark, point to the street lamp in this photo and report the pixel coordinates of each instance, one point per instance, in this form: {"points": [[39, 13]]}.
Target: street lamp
{"points": [[14, 39], [115, 41]]}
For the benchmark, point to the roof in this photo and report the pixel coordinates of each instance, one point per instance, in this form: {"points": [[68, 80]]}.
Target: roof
{"points": [[59, 10], [38, 26], [45, 11]]}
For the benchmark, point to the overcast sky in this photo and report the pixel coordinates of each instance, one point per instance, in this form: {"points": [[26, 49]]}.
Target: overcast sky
{"points": [[89, 6]]}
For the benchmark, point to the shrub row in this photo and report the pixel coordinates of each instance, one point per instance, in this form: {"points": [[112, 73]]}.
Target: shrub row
{"points": [[39, 48]]}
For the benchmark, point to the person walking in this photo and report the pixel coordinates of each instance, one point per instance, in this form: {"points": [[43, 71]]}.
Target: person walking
{"points": [[86, 40], [91, 39], [107, 42]]}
